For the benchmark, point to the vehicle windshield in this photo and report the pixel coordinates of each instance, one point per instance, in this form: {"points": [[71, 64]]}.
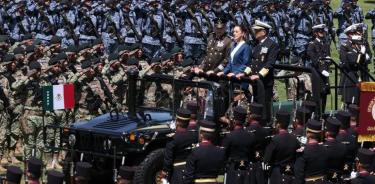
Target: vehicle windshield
{"points": [[171, 94]]}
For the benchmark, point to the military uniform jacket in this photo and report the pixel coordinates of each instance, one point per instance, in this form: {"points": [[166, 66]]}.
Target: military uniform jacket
{"points": [[318, 49], [263, 56], [205, 161], [349, 140], [239, 145], [217, 53], [179, 148], [312, 162], [281, 150], [352, 59], [336, 152]]}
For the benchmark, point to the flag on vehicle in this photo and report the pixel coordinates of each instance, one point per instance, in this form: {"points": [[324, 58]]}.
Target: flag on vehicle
{"points": [[58, 97]]}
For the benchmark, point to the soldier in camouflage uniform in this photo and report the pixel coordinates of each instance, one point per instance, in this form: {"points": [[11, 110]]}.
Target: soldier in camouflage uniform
{"points": [[115, 72], [32, 120], [10, 88], [89, 96]]}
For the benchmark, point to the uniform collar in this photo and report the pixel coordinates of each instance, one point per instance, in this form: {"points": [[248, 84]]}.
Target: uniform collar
{"points": [[238, 127], [181, 130], [342, 131], [264, 39], [364, 173], [205, 143], [312, 142], [282, 131]]}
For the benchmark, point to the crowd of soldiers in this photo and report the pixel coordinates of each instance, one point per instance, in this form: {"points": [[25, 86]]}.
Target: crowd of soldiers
{"points": [[92, 43]]}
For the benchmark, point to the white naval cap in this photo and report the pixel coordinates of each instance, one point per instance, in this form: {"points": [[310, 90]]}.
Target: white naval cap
{"points": [[352, 28], [261, 25], [319, 26]]}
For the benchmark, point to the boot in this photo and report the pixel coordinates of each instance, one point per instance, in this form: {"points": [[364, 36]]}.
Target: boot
{"points": [[12, 158]]}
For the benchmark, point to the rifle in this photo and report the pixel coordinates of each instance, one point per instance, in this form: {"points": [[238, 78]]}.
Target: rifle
{"points": [[120, 40], [107, 92], [70, 28], [157, 31], [132, 27], [45, 18], [178, 38], [196, 23], [204, 15], [85, 16]]}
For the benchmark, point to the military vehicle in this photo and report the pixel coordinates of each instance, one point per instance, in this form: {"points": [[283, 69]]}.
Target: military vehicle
{"points": [[138, 137]]}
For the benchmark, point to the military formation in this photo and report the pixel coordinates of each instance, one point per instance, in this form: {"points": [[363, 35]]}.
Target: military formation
{"points": [[92, 43]]}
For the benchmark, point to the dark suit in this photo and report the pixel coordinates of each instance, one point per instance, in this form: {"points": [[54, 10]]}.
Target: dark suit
{"points": [[240, 60], [263, 57], [280, 154], [176, 152]]}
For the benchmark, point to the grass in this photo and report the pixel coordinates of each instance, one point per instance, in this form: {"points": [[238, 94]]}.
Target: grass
{"points": [[366, 5]]}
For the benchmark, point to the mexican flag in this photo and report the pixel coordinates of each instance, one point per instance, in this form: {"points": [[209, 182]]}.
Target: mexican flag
{"points": [[58, 97]]}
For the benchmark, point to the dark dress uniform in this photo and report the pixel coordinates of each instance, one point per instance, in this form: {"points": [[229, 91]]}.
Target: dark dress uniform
{"points": [[310, 167], [348, 139], [336, 152], [365, 157], [206, 161], [263, 56], [318, 51], [261, 139], [352, 60], [280, 154], [177, 150], [239, 146], [217, 53]]}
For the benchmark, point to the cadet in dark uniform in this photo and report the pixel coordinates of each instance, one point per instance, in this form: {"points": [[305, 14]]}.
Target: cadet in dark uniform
{"points": [[311, 165], [302, 115], [207, 160], [350, 141], [14, 175], [177, 150], [34, 170], [280, 154], [353, 109], [261, 134], [239, 146], [218, 48], [55, 177], [83, 173], [263, 56], [336, 151], [319, 54], [364, 160]]}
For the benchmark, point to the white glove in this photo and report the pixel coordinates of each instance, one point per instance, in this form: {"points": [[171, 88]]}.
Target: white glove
{"points": [[164, 181], [353, 175], [172, 125], [367, 57], [363, 49], [325, 73]]}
